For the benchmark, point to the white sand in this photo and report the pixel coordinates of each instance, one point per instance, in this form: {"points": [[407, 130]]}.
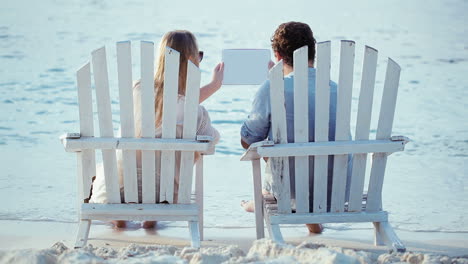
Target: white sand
{"points": [[171, 245], [262, 251]]}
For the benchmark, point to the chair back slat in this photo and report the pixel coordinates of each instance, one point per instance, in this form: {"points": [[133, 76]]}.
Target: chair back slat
{"points": [[343, 116], [148, 169], [279, 166], [301, 126], [87, 168], [322, 112], [366, 94], [362, 127], [105, 123], [127, 125], [389, 97], [169, 118], [192, 97], [384, 130]]}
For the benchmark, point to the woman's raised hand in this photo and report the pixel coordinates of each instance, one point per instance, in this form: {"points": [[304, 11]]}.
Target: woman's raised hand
{"points": [[209, 89], [218, 75]]}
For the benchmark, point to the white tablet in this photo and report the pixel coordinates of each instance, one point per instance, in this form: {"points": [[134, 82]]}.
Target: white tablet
{"points": [[245, 66]]}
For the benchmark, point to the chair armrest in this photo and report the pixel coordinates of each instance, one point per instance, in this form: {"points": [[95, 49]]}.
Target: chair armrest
{"points": [[207, 139], [332, 148], [63, 139], [202, 138], [406, 140], [251, 152], [70, 135], [72, 142]]}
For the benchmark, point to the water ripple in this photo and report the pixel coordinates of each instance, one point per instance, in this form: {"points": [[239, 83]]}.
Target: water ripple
{"points": [[219, 122], [56, 70]]}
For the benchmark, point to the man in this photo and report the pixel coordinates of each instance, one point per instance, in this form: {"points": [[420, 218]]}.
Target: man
{"points": [[287, 38]]}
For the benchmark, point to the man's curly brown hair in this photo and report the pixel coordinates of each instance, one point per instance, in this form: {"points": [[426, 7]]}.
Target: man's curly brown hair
{"points": [[290, 36]]}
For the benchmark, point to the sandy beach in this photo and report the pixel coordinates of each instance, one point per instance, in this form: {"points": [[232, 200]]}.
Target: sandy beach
{"points": [[39, 242]]}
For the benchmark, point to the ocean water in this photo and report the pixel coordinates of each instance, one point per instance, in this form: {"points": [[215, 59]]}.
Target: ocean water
{"points": [[43, 43]]}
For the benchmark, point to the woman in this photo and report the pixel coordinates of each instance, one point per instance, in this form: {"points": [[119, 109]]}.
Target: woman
{"points": [[185, 43]]}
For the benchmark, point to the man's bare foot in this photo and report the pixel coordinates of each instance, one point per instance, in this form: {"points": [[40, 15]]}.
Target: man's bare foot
{"points": [[149, 224], [119, 223], [315, 228], [249, 206]]}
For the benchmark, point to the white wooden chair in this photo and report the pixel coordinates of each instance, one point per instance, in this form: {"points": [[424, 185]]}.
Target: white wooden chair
{"points": [[158, 154], [356, 209]]}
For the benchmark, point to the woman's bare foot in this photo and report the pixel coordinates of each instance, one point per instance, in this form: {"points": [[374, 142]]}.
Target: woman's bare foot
{"points": [[119, 223], [149, 224], [249, 206], [315, 228]]}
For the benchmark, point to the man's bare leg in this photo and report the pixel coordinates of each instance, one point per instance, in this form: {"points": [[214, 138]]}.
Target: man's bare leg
{"points": [[119, 223], [315, 228]]}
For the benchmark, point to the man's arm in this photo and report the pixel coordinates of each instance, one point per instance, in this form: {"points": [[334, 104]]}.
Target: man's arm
{"points": [[257, 125], [244, 144]]}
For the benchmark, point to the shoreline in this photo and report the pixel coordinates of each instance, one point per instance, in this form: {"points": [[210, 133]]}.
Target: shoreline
{"points": [[18, 235]]}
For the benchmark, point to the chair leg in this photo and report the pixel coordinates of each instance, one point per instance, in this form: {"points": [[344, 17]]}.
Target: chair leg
{"points": [[194, 234], [378, 241], [275, 234], [83, 232], [388, 236], [274, 231], [258, 199], [199, 193]]}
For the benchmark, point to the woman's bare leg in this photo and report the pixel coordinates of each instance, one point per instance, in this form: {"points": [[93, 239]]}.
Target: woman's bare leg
{"points": [[149, 224], [249, 206]]}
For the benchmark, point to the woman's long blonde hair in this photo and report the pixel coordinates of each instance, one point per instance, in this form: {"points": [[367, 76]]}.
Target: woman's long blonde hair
{"points": [[185, 43]]}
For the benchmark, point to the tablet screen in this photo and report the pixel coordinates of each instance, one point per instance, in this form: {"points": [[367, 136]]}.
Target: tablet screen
{"points": [[245, 66]]}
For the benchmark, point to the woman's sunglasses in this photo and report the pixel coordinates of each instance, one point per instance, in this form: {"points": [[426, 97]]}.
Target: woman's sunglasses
{"points": [[200, 56]]}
